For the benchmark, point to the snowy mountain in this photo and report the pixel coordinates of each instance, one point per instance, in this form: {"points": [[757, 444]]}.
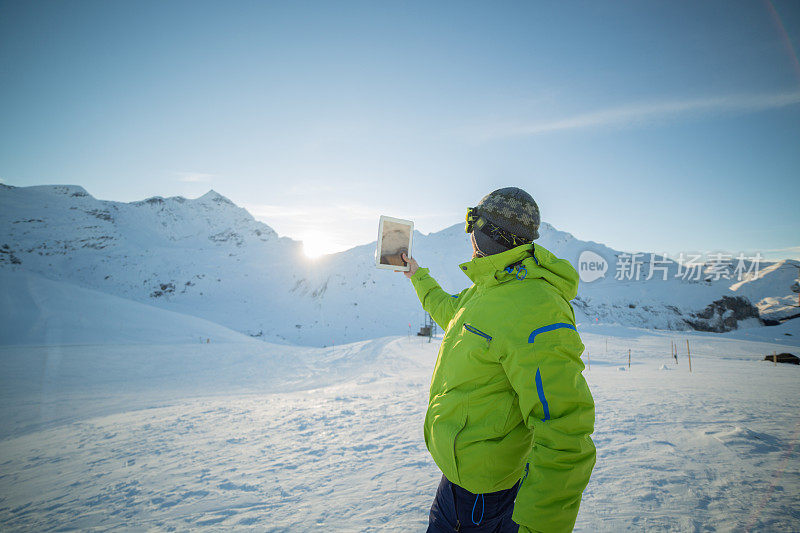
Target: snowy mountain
{"points": [[208, 258]]}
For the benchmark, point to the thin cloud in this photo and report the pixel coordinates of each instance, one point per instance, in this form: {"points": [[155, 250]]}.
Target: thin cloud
{"points": [[326, 215], [643, 113], [791, 249], [195, 177]]}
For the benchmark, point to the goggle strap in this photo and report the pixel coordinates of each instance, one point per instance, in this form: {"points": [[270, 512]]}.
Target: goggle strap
{"points": [[504, 237], [496, 233]]}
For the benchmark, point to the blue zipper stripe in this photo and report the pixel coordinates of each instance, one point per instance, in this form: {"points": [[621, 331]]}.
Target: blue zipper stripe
{"points": [[540, 390], [551, 327], [476, 331]]}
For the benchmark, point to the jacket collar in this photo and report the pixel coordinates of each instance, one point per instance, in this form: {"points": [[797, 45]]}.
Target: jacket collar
{"points": [[490, 270], [530, 262]]}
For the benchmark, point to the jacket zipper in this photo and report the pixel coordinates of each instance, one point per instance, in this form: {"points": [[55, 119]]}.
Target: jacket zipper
{"points": [[476, 331]]}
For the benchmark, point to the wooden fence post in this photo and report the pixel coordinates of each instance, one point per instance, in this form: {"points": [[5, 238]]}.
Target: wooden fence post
{"points": [[689, 355], [775, 358]]}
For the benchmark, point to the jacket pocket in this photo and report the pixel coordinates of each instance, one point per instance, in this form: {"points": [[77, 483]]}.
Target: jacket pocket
{"points": [[459, 429], [507, 405], [476, 331]]}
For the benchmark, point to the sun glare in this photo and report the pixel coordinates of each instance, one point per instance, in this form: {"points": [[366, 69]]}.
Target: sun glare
{"points": [[316, 245]]}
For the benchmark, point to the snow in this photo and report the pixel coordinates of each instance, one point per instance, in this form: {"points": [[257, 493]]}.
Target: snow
{"points": [[769, 289], [272, 437], [36, 310]]}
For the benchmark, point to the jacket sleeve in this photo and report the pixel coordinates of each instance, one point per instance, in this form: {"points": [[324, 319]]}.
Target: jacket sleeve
{"points": [[556, 403], [440, 304]]}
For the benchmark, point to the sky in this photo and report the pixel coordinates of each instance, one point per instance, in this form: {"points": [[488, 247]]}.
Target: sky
{"points": [[648, 126]]}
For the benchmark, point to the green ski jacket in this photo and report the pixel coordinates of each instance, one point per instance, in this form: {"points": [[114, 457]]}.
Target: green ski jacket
{"points": [[507, 398]]}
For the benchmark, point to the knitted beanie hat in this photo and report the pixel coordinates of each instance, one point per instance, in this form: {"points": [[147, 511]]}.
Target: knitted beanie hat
{"points": [[513, 210]]}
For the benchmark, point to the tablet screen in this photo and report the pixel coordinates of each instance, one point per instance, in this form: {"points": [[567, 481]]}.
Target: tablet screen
{"points": [[394, 239]]}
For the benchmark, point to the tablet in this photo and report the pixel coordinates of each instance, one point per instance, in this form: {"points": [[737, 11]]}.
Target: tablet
{"points": [[394, 239]]}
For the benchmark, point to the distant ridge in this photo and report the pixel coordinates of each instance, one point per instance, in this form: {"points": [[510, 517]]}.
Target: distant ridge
{"points": [[209, 258]]}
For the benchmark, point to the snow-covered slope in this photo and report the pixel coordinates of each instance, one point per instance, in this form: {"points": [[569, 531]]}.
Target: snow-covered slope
{"points": [[209, 258], [259, 437], [771, 290], [40, 311]]}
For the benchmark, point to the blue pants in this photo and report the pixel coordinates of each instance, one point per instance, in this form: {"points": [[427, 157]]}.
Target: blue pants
{"points": [[457, 509]]}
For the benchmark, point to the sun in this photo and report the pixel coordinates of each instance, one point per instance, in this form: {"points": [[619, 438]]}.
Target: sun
{"points": [[316, 244]]}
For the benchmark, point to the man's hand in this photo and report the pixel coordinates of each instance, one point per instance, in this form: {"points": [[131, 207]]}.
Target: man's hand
{"points": [[412, 266]]}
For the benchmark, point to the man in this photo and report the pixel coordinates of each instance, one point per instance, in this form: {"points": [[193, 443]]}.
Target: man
{"points": [[509, 413]]}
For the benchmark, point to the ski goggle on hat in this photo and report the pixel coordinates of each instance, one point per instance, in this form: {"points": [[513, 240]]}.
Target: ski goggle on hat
{"points": [[476, 222]]}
